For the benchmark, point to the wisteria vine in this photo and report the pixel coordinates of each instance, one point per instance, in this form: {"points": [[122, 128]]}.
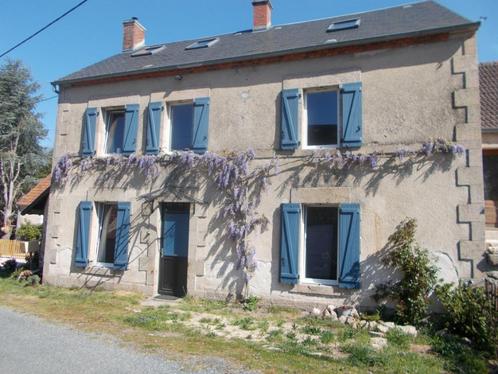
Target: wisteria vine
{"points": [[241, 186], [341, 160]]}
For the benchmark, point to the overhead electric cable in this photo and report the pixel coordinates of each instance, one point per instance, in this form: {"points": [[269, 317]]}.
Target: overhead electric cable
{"points": [[43, 28], [46, 99]]}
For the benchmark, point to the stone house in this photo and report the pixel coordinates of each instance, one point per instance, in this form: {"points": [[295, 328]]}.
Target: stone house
{"points": [[307, 144]]}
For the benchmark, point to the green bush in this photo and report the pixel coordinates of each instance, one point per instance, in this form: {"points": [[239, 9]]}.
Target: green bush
{"points": [[250, 304], [398, 338], [372, 316], [418, 275], [460, 358], [469, 313], [29, 232]]}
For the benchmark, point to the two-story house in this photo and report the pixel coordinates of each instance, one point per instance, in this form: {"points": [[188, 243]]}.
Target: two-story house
{"points": [[274, 161]]}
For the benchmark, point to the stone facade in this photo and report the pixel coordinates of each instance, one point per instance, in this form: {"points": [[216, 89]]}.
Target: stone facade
{"points": [[411, 94]]}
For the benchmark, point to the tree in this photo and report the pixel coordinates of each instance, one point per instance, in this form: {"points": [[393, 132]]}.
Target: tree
{"points": [[21, 131]]}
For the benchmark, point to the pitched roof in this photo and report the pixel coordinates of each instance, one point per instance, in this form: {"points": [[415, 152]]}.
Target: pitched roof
{"points": [[488, 81], [416, 19], [37, 192]]}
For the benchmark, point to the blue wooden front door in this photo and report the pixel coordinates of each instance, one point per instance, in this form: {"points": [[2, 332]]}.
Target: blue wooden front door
{"points": [[174, 249]]}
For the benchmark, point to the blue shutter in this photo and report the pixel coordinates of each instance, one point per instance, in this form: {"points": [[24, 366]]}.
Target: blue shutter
{"points": [[122, 236], [349, 246], [83, 234], [153, 128], [352, 118], [289, 119], [89, 129], [130, 129], [201, 125], [289, 243]]}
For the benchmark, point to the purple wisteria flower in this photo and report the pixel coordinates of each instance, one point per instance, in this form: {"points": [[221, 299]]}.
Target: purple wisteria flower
{"points": [[373, 160], [62, 168], [428, 148], [401, 153]]}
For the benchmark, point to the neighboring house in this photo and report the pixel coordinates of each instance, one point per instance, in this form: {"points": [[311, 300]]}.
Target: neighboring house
{"points": [[33, 203], [379, 83], [488, 80], [33, 207]]}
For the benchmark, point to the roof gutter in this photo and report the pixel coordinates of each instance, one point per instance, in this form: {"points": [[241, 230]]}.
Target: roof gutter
{"points": [[468, 27], [488, 130]]}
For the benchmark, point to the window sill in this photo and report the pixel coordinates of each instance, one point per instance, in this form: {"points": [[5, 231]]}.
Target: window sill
{"points": [[319, 147], [102, 269], [103, 265], [318, 289]]}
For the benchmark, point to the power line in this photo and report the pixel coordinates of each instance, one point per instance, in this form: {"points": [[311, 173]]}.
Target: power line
{"points": [[43, 28], [46, 99]]}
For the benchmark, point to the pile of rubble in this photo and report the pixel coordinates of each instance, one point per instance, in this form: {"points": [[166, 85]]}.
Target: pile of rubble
{"points": [[348, 315]]}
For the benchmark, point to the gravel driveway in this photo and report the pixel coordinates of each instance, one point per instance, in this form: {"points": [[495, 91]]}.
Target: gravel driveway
{"points": [[32, 345]]}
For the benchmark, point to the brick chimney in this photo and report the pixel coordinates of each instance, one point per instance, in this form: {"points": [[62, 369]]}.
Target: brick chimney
{"points": [[133, 34], [261, 10]]}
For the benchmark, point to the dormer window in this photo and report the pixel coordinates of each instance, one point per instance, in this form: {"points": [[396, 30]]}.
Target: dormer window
{"points": [[344, 25], [147, 51], [205, 43]]}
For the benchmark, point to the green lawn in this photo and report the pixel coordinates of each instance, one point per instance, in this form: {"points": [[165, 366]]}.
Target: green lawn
{"points": [[270, 339]]}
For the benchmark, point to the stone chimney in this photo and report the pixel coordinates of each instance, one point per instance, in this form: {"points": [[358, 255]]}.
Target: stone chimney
{"points": [[133, 34], [261, 10]]}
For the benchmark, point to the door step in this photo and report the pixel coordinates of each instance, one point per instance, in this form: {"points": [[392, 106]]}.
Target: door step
{"points": [[161, 300]]}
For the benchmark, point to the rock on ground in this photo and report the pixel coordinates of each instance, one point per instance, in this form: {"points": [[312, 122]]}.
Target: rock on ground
{"points": [[378, 343], [408, 330]]}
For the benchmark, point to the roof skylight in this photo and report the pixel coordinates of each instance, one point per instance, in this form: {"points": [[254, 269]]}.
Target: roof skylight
{"points": [[148, 50], [344, 25], [205, 43]]}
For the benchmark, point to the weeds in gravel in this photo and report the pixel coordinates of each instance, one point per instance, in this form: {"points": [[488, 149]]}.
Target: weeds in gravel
{"points": [[156, 318], [363, 355], [327, 337], [311, 330], [399, 339], [246, 323]]}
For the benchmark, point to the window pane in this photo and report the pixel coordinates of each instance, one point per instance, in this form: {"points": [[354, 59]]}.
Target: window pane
{"points": [[107, 243], [182, 123], [322, 118], [490, 166], [175, 230], [115, 132], [342, 25], [321, 243]]}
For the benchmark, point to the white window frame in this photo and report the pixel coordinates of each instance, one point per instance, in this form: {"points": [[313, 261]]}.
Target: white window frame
{"points": [[106, 116], [304, 117], [100, 218], [168, 138], [207, 42], [302, 248]]}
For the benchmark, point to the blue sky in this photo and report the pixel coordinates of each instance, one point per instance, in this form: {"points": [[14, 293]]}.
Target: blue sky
{"points": [[94, 31]]}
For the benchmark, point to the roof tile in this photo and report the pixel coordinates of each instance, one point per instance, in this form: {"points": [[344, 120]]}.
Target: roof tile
{"points": [[32, 195], [488, 81]]}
